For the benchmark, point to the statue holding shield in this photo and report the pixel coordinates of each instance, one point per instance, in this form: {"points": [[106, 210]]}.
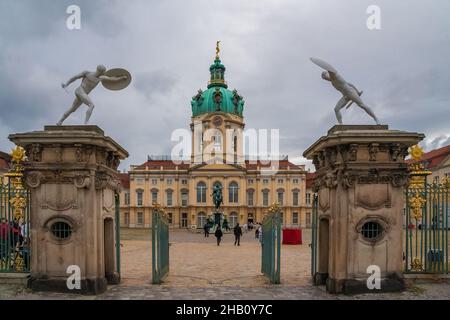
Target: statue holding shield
{"points": [[114, 79]]}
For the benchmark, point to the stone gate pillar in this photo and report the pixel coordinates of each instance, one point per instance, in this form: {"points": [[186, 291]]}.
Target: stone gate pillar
{"points": [[72, 174], [361, 176]]}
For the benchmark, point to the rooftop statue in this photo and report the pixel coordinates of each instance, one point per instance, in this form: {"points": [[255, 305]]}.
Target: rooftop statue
{"points": [[348, 90], [114, 79]]}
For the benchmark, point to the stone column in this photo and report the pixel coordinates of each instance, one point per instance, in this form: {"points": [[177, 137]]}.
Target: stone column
{"points": [[72, 174], [361, 177]]}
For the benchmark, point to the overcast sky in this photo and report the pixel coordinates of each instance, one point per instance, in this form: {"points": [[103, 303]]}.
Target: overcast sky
{"points": [[168, 46]]}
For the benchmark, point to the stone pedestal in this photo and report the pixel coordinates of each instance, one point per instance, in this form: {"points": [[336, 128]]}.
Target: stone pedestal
{"points": [[361, 176], [72, 174]]}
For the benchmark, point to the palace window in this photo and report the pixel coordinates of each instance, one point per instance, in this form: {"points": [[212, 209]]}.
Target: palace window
{"points": [[169, 194], [265, 181], [308, 198], [233, 192], [265, 198], [280, 181], [282, 218], [169, 181], [201, 219], [295, 201], [127, 198], [184, 220], [127, 219], [184, 181], [169, 217], [140, 197], [184, 198], [154, 195], [201, 192], [140, 218], [250, 181], [250, 194], [154, 182], [233, 219], [139, 181], [295, 181], [280, 194], [217, 141], [308, 219], [295, 218]]}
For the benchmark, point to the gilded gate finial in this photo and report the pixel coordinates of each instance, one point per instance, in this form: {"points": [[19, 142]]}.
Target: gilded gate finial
{"points": [[18, 154], [416, 152]]}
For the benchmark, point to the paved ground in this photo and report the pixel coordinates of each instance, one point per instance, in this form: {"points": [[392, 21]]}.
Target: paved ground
{"points": [[198, 261], [199, 269]]}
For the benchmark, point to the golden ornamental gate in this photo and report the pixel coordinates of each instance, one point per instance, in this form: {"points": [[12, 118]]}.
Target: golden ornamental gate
{"points": [[14, 218], [427, 218]]}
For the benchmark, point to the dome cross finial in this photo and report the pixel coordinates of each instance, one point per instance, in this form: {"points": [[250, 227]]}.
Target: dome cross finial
{"points": [[217, 50]]}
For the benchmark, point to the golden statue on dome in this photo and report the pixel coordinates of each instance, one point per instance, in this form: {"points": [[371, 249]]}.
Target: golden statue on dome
{"points": [[217, 50]]}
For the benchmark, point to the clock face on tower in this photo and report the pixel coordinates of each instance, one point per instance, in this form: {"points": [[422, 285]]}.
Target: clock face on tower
{"points": [[217, 121]]}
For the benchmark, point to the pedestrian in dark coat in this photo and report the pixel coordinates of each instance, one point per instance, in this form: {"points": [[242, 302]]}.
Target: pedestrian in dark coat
{"points": [[206, 229], [237, 234], [218, 234]]}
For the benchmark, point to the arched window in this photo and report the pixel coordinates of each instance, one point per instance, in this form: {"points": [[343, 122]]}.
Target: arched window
{"points": [[140, 197], [201, 192], [201, 219], [233, 219], [233, 192]]}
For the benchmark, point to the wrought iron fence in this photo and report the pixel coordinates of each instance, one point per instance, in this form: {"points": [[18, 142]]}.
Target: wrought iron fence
{"points": [[427, 228], [426, 223], [14, 218], [271, 244], [160, 244]]}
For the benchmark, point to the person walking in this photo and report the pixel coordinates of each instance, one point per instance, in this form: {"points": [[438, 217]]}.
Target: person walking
{"points": [[257, 232], [206, 229], [237, 234], [260, 234], [218, 234]]}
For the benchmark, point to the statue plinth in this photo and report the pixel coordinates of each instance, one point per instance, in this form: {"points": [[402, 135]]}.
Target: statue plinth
{"points": [[72, 175], [360, 179]]}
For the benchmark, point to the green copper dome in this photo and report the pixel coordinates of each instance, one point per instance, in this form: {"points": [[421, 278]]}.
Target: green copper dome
{"points": [[217, 98]]}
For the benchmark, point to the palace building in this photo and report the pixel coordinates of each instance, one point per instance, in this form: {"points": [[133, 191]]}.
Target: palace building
{"points": [[184, 189]]}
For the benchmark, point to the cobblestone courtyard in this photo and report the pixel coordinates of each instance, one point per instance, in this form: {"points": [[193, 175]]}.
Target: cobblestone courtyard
{"points": [[199, 269]]}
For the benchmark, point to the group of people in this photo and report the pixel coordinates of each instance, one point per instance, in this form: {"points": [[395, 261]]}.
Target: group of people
{"points": [[237, 231]]}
